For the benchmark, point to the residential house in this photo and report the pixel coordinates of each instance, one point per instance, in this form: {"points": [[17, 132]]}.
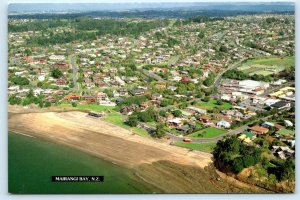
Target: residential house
{"points": [[288, 123], [128, 109], [247, 137], [156, 96], [61, 66], [281, 105], [223, 124], [268, 124], [61, 81], [101, 97], [72, 97], [144, 106], [175, 122], [258, 129], [123, 92], [138, 91], [283, 152], [197, 110], [50, 99], [278, 126], [184, 128], [204, 119], [89, 98]]}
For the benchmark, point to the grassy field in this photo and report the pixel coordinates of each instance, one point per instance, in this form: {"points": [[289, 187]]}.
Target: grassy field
{"points": [[118, 119], [210, 132], [267, 66], [206, 147], [212, 103]]}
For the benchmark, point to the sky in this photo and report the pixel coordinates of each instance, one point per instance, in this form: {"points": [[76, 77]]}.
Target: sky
{"points": [[146, 1]]}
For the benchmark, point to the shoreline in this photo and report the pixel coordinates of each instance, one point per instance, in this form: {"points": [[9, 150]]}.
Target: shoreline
{"points": [[23, 134], [152, 160]]}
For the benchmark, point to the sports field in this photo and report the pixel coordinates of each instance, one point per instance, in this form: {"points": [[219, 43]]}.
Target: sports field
{"points": [[267, 66]]}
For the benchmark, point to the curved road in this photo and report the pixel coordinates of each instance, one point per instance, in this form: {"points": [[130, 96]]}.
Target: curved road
{"points": [[235, 65]]}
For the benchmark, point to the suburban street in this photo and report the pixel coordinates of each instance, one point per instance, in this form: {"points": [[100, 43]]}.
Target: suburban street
{"points": [[74, 71], [235, 65]]}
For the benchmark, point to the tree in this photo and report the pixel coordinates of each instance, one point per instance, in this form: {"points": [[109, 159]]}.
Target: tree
{"points": [[238, 165], [287, 170], [41, 104], [27, 52], [206, 99], [74, 104], [201, 34], [223, 48], [56, 73], [177, 113], [163, 113], [208, 81], [147, 116], [219, 102], [47, 104], [108, 92], [39, 84], [248, 160], [132, 120], [160, 132], [166, 102], [19, 80], [14, 100]]}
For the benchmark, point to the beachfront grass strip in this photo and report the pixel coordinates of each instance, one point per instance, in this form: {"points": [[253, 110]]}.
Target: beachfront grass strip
{"points": [[206, 147], [117, 119], [210, 132], [212, 103], [86, 107], [95, 107]]}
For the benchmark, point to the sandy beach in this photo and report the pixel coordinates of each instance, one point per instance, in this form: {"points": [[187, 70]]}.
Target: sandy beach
{"points": [[172, 169]]}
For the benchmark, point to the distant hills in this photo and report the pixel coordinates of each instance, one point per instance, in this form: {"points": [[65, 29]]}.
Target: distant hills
{"points": [[175, 10]]}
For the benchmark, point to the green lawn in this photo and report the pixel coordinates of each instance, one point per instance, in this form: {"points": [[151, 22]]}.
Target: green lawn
{"points": [[210, 132], [285, 132], [212, 103], [206, 147], [118, 119]]}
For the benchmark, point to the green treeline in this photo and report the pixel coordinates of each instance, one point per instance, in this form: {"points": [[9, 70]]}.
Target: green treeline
{"points": [[61, 38], [288, 73], [38, 25], [85, 29], [231, 155], [119, 27]]}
